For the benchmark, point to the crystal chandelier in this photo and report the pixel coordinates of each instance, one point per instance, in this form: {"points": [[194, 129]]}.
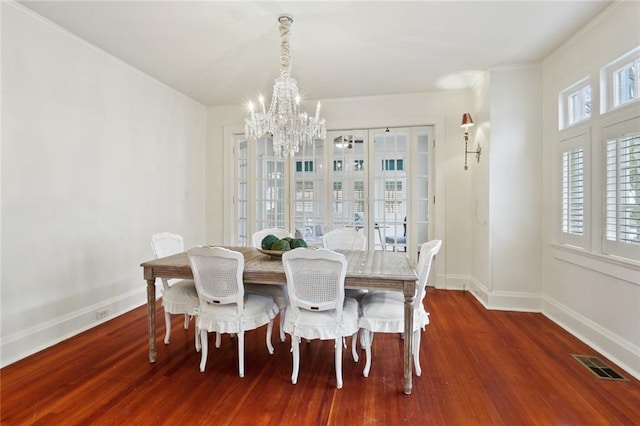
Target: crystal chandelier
{"points": [[284, 121]]}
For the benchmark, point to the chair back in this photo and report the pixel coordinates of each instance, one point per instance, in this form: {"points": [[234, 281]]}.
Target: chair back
{"points": [[428, 251], [344, 239], [166, 244], [315, 279], [217, 273], [257, 237]]}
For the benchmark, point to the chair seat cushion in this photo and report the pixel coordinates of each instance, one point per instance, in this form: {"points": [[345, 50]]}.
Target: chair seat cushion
{"points": [[383, 312], [259, 309], [322, 324], [278, 292], [181, 298]]}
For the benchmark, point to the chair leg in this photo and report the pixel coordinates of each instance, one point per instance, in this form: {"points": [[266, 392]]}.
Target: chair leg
{"points": [[368, 338], [197, 334], [339, 362], [282, 336], [416, 351], [295, 346], [167, 325], [269, 331], [218, 339], [241, 353], [186, 321], [354, 347], [205, 349]]}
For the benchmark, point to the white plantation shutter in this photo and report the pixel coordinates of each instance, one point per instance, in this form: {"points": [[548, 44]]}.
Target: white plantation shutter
{"points": [[573, 192], [622, 190]]}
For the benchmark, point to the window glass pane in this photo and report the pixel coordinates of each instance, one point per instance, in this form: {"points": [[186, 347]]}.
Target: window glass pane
{"points": [[625, 84], [586, 94], [575, 107]]}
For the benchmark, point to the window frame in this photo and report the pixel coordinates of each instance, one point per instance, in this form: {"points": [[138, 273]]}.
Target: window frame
{"points": [[608, 85], [567, 107]]}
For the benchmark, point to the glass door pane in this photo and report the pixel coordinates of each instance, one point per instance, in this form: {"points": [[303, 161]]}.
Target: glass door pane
{"points": [[389, 193], [242, 190], [270, 187], [308, 193], [348, 167], [421, 192]]}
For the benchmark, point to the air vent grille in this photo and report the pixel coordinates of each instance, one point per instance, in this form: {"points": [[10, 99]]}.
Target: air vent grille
{"points": [[598, 367]]}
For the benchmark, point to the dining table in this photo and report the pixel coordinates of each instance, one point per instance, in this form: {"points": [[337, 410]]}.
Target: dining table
{"points": [[371, 270]]}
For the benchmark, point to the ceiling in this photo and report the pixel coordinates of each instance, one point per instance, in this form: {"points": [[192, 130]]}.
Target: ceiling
{"points": [[226, 52]]}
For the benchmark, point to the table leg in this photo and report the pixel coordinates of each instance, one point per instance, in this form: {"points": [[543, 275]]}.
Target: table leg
{"points": [[409, 297], [151, 318]]}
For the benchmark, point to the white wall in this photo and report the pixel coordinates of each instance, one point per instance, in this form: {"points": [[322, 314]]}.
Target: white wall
{"points": [[595, 297], [506, 190], [480, 236], [442, 109], [96, 157]]}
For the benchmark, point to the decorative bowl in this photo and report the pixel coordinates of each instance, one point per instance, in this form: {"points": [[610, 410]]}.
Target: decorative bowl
{"points": [[272, 253]]}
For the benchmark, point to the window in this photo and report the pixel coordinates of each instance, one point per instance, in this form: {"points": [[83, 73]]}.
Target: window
{"points": [[393, 197], [574, 194], [620, 81], [304, 196], [337, 197], [575, 104], [622, 189], [580, 105], [305, 166], [390, 165]]}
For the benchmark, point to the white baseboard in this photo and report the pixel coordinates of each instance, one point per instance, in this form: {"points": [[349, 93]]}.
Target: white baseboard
{"points": [[453, 282], [505, 300], [624, 353], [29, 341]]}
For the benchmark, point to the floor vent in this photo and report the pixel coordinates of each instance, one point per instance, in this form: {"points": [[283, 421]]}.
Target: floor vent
{"points": [[598, 367]]}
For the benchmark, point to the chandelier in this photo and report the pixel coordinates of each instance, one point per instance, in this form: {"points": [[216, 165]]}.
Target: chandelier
{"points": [[288, 126]]}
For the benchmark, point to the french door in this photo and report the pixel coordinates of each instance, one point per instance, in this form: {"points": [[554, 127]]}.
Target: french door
{"points": [[376, 181]]}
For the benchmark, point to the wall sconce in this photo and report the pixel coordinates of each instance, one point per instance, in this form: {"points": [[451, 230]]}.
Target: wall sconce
{"points": [[467, 122]]}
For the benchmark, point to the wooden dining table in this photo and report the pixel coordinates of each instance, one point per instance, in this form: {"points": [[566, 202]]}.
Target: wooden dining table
{"points": [[372, 270]]}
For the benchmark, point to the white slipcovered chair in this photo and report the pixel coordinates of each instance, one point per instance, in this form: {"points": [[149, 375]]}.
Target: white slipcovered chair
{"points": [[224, 305], [279, 293], [383, 311], [344, 239], [318, 308], [178, 296], [347, 239]]}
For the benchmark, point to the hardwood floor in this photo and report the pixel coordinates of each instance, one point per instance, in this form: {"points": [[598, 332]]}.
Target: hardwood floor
{"points": [[479, 367]]}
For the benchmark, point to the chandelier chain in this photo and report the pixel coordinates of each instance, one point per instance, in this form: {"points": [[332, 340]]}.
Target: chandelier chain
{"points": [[285, 54]]}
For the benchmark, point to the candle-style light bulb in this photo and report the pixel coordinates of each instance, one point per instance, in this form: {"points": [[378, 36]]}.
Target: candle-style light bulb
{"points": [[318, 112], [261, 100], [253, 116]]}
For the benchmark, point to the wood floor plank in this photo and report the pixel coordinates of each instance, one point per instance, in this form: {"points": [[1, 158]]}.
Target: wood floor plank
{"points": [[478, 367]]}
